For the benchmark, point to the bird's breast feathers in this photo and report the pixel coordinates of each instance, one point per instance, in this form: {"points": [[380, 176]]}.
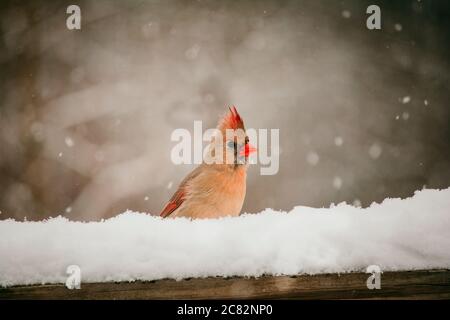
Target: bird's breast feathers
{"points": [[213, 194]]}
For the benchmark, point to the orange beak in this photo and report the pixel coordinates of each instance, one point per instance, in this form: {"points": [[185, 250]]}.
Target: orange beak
{"points": [[247, 150]]}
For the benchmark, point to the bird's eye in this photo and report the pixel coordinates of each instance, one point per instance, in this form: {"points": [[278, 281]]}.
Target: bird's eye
{"points": [[230, 144]]}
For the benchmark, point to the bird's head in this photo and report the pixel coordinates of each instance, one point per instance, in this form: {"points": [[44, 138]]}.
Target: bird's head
{"points": [[234, 142]]}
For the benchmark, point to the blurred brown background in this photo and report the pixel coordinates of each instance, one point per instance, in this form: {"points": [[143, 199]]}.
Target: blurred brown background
{"points": [[86, 116]]}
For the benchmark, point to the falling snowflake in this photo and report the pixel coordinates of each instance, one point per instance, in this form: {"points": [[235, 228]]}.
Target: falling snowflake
{"points": [[69, 142], [312, 158], [406, 99], [405, 116], [346, 14], [375, 151], [337, 183], [169, 186], [338, 141]]}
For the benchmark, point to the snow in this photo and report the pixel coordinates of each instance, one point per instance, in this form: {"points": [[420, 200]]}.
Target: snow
{"points": [[398, 27], [375, 151], [405, 116], [312, 158], [396, 235], [406, 99], [357, 203], [337, 183], [338, 141], [346, 14], [69, 142]]}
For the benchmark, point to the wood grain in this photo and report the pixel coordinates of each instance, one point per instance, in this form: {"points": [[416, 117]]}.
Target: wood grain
{"points": [[425, 284]]}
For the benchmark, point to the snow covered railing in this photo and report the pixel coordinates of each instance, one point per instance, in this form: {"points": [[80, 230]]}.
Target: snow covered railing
{"points": [[409, 234]]}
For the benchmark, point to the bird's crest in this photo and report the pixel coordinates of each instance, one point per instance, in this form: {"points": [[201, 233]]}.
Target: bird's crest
{"points": [[232, 120]]}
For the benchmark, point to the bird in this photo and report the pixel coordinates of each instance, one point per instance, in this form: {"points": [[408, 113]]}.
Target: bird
{"points": [[217, 187]]}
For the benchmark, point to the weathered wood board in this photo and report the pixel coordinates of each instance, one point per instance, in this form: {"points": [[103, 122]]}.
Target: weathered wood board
{"points": [[425, 284]]}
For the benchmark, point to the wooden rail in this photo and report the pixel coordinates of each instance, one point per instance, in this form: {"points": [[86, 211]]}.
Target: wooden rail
{"points": [[425, 284]]}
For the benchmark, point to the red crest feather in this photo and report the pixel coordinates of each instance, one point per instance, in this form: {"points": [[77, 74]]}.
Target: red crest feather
{"points": [[232, 120]]}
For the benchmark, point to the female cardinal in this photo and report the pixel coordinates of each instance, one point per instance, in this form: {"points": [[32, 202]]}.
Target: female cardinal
{"points": [[217, 187]]}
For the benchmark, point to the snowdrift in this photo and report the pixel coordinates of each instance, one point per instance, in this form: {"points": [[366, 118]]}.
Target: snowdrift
{"points": [[397, 234]]}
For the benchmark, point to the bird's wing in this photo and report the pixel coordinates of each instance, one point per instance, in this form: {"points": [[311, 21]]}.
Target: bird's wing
{"points": [[180, 195], [174, 202]]}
